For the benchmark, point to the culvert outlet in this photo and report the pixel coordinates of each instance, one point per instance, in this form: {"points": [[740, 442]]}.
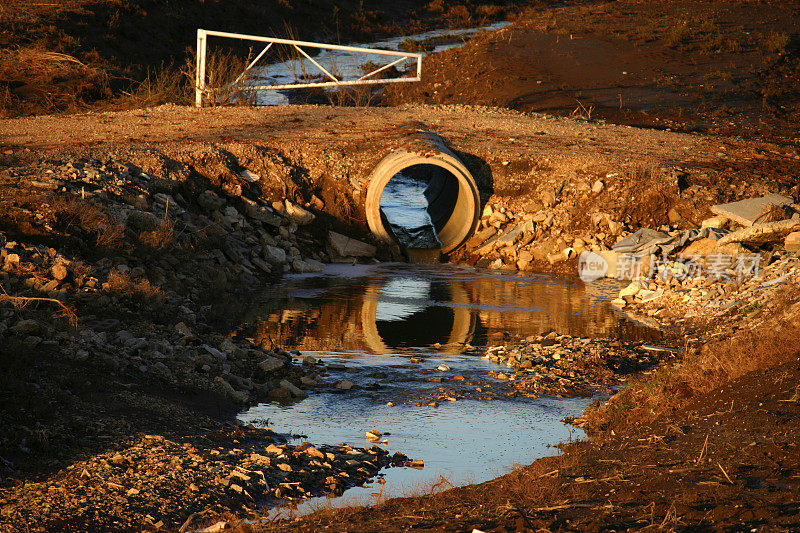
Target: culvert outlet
{"points": [[452, 194]]}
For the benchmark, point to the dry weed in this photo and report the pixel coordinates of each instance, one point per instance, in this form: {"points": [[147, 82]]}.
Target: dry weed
{"points": [[353, 96], [70, 212], [43, 80], [227, 82], [160, 237], [140, 290], [704, 369]]}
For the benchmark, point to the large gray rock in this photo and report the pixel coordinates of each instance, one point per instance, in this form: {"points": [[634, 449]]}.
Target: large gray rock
{"points": [[274, 255], [291, 387], [751, 211], [305, 266], [347, 247], [270, 363]]}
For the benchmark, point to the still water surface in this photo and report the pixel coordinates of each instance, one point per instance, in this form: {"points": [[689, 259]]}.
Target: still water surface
{"points": [[377, 326]]}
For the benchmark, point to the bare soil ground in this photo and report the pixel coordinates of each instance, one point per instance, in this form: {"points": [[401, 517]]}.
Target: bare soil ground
{"points": [[725, 67], [518, 158]]}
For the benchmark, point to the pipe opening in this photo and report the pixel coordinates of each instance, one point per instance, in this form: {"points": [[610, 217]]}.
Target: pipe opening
{"points": [[416, 204], [424, 202]]}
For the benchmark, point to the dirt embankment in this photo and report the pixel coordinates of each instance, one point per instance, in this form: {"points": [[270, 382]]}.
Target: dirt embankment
{"points": [[722, 67]]}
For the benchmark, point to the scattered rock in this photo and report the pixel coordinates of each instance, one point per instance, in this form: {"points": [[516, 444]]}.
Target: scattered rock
{"points": [[299, 215], [294, 389], [347, 247], [344, 385]]}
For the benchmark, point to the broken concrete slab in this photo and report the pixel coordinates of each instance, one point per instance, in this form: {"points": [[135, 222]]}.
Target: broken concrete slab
{"points": [[481, 237], [759, 234], [751, 211], [504, 238], [347, 247]]}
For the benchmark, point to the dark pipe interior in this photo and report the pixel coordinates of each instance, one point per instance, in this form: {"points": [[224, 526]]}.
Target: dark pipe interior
{"points": [[428, 326]]}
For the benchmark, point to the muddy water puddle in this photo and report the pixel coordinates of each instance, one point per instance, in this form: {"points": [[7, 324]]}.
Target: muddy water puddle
{"points": [[392, 338]]}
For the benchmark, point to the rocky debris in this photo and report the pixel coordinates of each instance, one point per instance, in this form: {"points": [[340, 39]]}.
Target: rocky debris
{"points": [[157, 264], [792, 242], [348, 247], [566, 366], [299, 215], [535, 237], [161, 484], [711, 290], [752, 210]]}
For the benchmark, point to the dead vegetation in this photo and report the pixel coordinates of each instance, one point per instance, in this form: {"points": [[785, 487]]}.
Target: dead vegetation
{"points": [[705, 368], [138, 289], [70, 213], [65, 311]]}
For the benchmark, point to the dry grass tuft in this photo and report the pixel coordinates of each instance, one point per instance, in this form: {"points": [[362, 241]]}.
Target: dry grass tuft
{"points": [[678, 34], [223, 68], [353, 96], [43, 80], [70, 212], [162, 236], [776, 43], [20, 302], [140, 290]]}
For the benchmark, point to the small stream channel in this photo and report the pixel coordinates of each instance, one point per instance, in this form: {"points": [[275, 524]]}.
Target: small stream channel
{"points": [[350, 65], [402, 334], [378, 326]]}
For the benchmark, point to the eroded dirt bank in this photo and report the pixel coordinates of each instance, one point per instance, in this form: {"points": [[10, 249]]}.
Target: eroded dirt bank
{"points": [[719, 67], [154, 225]]}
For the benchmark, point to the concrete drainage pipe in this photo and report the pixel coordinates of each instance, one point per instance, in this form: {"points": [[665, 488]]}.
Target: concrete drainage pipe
{"points": [[453, 202]]}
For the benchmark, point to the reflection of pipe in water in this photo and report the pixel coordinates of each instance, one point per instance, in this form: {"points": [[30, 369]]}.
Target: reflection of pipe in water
{"points": [[419, 321]]}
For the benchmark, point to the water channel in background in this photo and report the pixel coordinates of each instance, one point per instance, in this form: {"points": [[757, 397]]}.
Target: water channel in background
{"points": [[350, 65], [377, 326], [405, 207]]}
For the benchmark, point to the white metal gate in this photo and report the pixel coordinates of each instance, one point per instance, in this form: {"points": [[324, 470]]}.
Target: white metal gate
{"points": [[200, 76]]}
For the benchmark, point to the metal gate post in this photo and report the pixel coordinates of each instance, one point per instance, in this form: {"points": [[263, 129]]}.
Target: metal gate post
{"points": [[200, 70]]}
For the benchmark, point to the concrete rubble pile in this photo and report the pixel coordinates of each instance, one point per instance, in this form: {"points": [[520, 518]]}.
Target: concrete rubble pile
{"points": [[725, 274]]}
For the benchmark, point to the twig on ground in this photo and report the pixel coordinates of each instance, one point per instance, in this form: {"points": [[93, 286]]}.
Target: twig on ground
{"points": [[21, 302], [725, 473]]}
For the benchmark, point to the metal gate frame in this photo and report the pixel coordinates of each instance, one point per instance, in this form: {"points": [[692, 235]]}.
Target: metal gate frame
{"points": [[200, 73]]}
